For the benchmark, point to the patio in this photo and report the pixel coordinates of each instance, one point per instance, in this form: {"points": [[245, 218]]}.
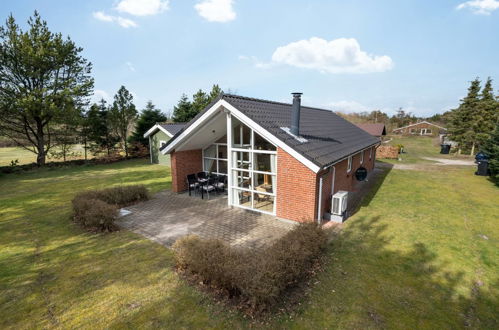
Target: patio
{"points": [[169, 216]]}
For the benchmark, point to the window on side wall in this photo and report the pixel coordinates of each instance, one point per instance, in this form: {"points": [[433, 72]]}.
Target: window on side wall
{"points": [[371, 153], [162, 144], [349, 168], [362, 157]]}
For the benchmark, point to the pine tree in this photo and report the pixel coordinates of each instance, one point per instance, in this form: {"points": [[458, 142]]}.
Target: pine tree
{"points": [[123, 115], [464, 117], [149, 117], [100, 133], [491, 149], [185, 110], [182, 111], [486, 115]]}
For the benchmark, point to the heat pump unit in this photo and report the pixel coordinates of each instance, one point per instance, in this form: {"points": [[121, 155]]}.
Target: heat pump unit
{"points": [[339, 206]]}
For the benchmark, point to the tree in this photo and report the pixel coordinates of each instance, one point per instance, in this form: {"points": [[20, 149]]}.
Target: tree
{"points": [[182, 112], [148, 118], [402, 118], [123, 115], [42, 76], [65, 134], [486, 115], [185, 110], [462, 119], [491, 149], [99, 129]]}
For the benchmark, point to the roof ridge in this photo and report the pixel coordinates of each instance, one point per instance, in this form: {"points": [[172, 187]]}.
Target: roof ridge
{"points": [[273, 102]]}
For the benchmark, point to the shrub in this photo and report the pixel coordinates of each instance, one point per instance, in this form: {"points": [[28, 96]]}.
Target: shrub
{"points": [[259, 277], [98, 209], [95, 214], [121, 196]]}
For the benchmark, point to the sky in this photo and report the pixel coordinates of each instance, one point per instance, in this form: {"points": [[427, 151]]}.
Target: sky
{"points": [[346, 56]]}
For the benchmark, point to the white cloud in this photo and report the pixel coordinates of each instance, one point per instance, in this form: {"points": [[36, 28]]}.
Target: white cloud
{"points": [[143, 7], [347, 106], [216, 10], [130, 66], [123, 22], [481, 7], [336, 56]]}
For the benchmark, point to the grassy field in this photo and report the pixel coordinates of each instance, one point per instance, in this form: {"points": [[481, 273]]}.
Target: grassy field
{"points": [[24, 156], [416, 148], [423, 252]]}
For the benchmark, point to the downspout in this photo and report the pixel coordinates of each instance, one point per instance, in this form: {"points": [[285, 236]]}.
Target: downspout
{"points": [[150, 148], [334, 179], [319, 203]]}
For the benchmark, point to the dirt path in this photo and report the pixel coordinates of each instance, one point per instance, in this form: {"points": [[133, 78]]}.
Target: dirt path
{"points": [[445, 161]]}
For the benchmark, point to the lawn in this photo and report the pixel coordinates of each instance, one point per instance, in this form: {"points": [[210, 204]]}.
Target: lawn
{"points": [[423, 252], [416, 148], [8, 154]]}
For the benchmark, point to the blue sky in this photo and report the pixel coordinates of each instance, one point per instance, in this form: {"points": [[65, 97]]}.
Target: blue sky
{"points": [[343, 55]]}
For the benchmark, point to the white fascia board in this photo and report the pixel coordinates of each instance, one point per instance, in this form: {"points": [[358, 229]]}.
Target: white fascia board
{"points": [[247, 121], [193, 127], [156, 127]]}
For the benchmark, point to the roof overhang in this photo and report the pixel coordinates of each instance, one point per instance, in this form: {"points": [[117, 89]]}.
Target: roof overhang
{"points": [[156, 127], [223, 105]]}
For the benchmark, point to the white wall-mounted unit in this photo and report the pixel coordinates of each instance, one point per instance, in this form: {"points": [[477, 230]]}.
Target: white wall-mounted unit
{"points": [[339, 206]]}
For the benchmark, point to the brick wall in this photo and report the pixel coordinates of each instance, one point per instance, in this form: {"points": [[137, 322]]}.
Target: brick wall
{"points": [[183, 163], [296, 189], [388, 152], [343, 181]]}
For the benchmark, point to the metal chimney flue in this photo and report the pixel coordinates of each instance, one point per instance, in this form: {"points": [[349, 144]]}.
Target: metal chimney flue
{"points": [[295, 114]]}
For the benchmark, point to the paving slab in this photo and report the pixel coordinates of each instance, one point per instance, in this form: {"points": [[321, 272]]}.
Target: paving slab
{"points": [[169, 216]]}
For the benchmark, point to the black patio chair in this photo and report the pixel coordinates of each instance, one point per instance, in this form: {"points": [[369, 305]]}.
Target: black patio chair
{"points": [[220, 182], [192, 183], [201, 175], [207, 186]]}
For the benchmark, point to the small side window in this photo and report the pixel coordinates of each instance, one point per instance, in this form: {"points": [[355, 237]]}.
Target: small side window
{"points": [[162, 143], [371, 153], [349, 168], [362, 157]]}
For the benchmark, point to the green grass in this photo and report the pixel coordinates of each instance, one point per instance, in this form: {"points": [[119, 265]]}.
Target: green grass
{"points": [[418, 147], [408, 259], [24, 156]]}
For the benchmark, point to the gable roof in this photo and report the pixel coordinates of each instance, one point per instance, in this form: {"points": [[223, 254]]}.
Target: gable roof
{"points": [[377, 129], [328, 137], [168, 129], [421, 122]]}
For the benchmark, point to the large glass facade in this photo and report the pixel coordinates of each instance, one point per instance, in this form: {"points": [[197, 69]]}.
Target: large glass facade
{"points": [[253, 169]]}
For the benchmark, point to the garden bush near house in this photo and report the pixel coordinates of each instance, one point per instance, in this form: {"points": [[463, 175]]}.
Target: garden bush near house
{"points": [[98, 209], [258, 277]]}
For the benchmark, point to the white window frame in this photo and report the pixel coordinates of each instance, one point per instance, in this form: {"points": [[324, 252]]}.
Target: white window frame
{"points": [[216, 158], [371, 153], [349, 166], [362, 157], [161, 143], [250, 171]]}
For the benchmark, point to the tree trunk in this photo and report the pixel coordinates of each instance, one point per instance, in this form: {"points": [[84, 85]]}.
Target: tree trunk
{"points": [[126, 148], [40, 158], [85, 147], [472, 149]]}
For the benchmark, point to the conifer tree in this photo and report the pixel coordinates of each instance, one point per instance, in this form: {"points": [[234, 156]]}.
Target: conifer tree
{"points": [[463, 118], [149, 117], [491, 149]]}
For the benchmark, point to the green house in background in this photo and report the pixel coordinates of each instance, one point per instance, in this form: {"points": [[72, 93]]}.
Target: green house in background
{"points": [[158, 136]]}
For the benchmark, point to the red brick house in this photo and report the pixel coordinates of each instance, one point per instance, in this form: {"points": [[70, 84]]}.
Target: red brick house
{"points": [[281, 159]]}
